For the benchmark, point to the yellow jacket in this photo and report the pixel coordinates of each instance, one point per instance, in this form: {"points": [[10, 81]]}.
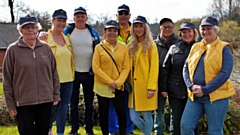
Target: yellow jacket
{"points": [[144, 77], [105, 71], [51, 41], [212, 67]]}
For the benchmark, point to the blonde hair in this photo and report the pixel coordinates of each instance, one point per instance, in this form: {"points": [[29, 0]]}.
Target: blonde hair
{"points": [[146, 43], [195, 34]]}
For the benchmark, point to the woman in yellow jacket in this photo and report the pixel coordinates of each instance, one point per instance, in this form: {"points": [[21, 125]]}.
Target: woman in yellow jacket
{"points": [[206, 74], [62, 51], [143, 75], [109, 78]]}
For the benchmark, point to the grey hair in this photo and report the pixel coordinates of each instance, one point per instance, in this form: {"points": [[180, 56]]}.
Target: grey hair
{"points": [[216, 28], [39, 26]]}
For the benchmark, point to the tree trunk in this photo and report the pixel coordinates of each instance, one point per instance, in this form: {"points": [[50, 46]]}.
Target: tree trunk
{"points": [[10, 4]]}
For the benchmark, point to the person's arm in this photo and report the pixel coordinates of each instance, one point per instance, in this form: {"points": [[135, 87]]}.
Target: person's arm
{"points": [[8, 72], [96, 66], [166, 69], [56, 81], [223, 76], [186, 76]]}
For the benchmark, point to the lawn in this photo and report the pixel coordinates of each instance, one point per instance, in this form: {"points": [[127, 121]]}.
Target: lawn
{"points": [[12, 130]]}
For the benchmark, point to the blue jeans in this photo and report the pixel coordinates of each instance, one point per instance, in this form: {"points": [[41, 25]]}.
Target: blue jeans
{"points": [[60, 111], [215, 114], [113, 119], [87, 81], [159, 119], [145, 125]]}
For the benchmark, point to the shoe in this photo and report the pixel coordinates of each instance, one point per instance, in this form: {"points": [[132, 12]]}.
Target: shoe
{"points": [[130, 133], [73, 133], [113, 133], [50, 133]]}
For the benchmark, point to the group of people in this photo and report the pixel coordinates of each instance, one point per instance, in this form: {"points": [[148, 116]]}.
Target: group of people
{"points": [[42, 75]]}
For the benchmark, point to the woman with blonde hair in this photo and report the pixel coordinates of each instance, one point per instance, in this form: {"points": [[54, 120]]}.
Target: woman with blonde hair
{"points": [[172, 81], [143, 75]]}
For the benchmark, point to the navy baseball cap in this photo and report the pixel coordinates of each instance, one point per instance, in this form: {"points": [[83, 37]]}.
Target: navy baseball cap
{"points": [[165, 20], [209, 21], [123, 8], [111, 24], [60, 13], [80, 10], [140, 19], [187, 25], [27, 20]]}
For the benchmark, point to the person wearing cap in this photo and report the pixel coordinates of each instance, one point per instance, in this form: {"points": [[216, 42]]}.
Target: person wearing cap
{"points": [[143, 75], [30, 79], [206, 74], [83, 39], [123, 15], [164, 40], [62, 50], [173, 81], [109, 76]]}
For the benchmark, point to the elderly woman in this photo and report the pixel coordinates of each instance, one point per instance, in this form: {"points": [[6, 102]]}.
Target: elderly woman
{"points": [[62, 51], [143, 75], [30, 80], [206, 74], [172, 72], [111, 68]]}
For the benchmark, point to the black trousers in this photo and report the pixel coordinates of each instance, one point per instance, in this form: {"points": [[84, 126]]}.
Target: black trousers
{"points": [[119, 104], [34, 119]]}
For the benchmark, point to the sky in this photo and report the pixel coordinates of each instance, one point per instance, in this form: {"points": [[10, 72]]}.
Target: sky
{"points": [[153, 10]]}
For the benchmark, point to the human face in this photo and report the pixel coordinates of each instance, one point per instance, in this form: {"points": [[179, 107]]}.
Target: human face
{"points": [[208, 34], [80, 20], [139, 29], [123, 17], [111, 34], [59, 24], [187, 35], [166, 29], [29, 31]]}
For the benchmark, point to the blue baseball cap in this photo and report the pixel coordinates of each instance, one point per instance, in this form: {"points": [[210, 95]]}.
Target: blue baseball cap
{"points": [[111, 24], [209, 21], [139, 19], [60, 13], [187, 25], [123, 8], [165, 20], [27, 20], [80, 10]]}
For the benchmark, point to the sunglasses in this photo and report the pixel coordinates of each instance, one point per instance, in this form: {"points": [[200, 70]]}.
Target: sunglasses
{"points": [[123, 13]]}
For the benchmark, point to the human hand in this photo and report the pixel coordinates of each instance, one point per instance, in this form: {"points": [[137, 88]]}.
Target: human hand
{"points": [[13, 112], [113, 85], [197, 90], [43, 36], [150, 93], [164, 94], [55, 102]]}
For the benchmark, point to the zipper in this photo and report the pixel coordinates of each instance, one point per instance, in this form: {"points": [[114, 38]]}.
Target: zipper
{"points": [[34, 56]]}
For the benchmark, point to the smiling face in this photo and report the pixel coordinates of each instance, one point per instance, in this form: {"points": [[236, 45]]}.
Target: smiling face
{"points": [[123, 17], [187, 35], [29, 31], [59, 24], [139, 29], [208, 33], [111, 34], [80, 20], [167, 29]]}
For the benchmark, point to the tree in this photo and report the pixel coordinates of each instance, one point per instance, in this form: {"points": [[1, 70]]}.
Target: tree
{"points": [[10, 4]]}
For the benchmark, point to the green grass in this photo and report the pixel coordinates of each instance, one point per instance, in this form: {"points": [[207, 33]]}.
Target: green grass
{"points": [[1, 89], [12, 130]]}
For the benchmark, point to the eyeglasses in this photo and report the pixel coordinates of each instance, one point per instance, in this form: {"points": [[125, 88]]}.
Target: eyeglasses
{"points": [[29, 27], [123, 13], [166, 27]]}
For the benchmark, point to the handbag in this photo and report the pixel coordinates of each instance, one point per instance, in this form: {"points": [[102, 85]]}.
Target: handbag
{"points": [[126, 85]]}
